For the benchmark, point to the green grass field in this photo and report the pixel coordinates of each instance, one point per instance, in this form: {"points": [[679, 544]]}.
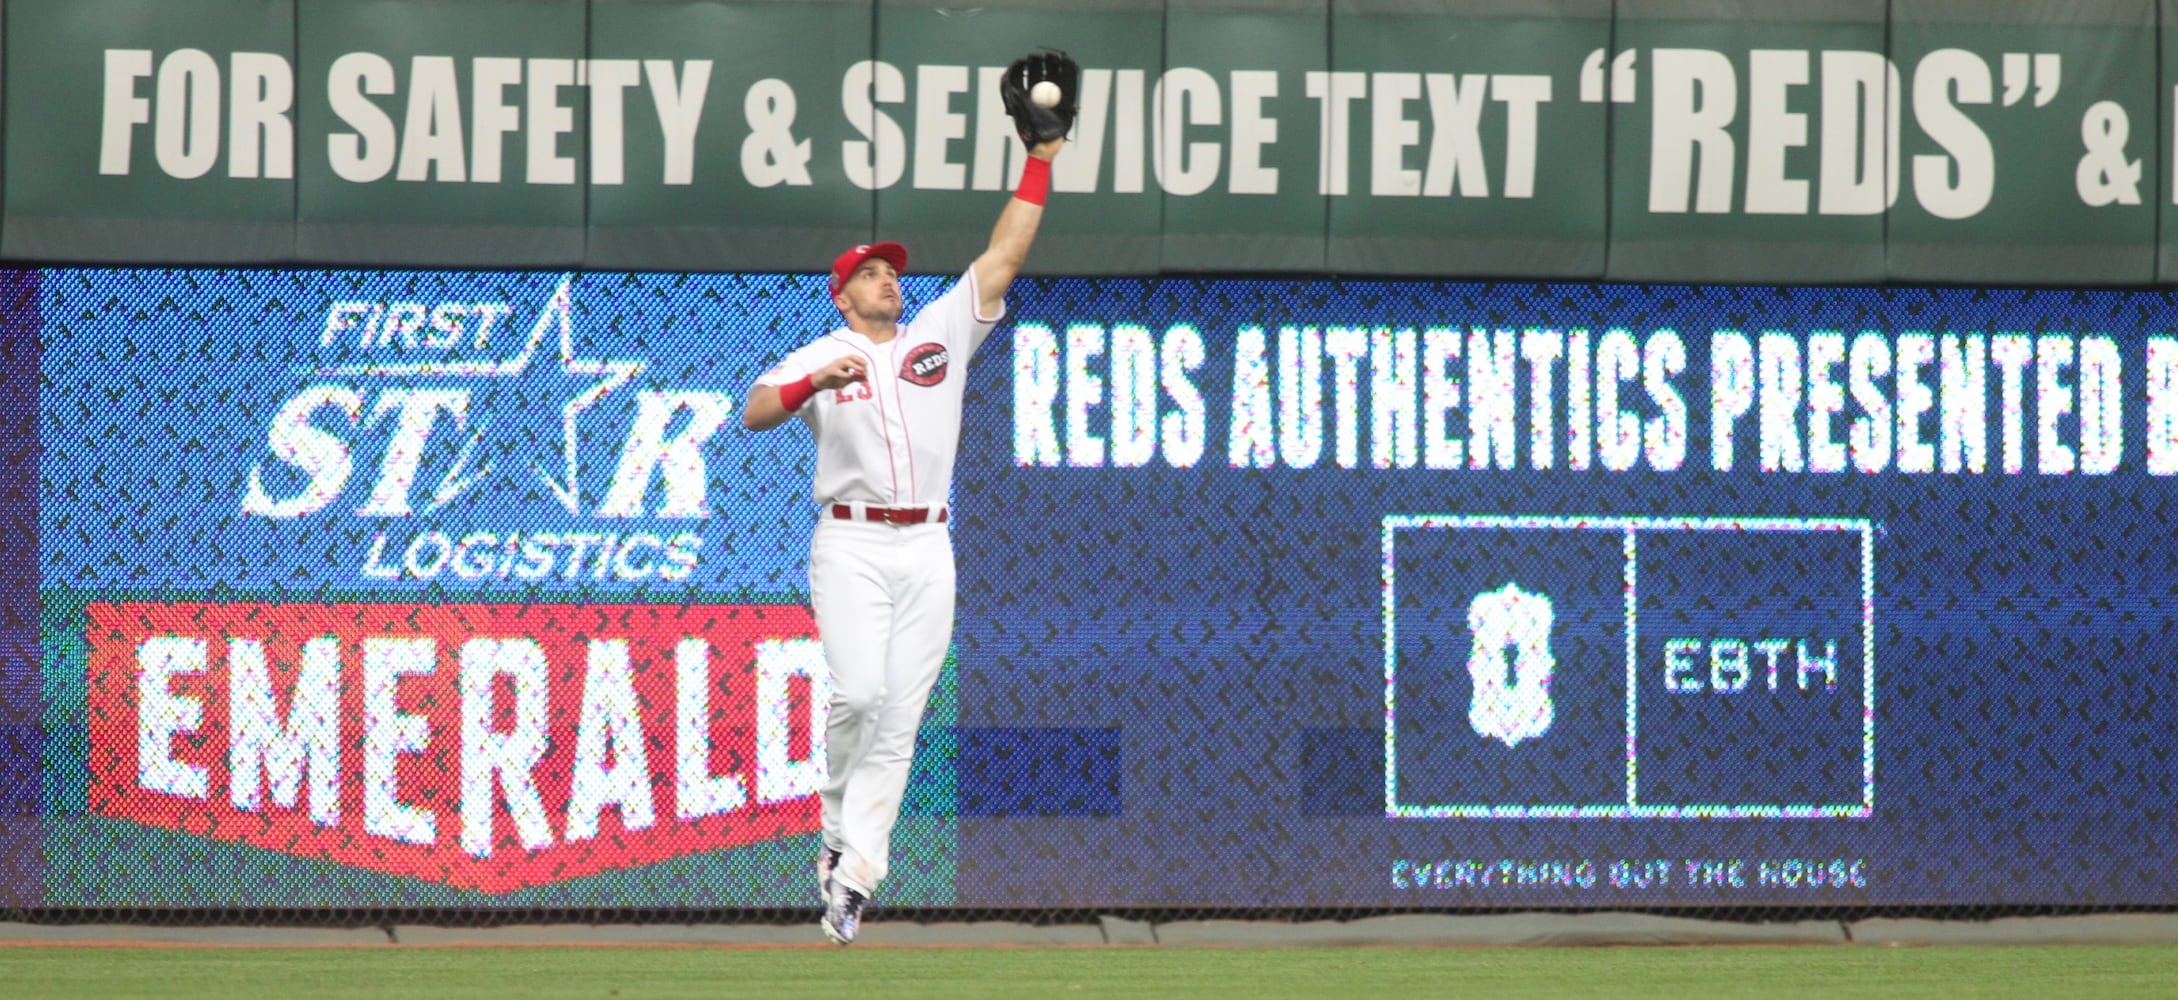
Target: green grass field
{"points": [[2043, 973]]}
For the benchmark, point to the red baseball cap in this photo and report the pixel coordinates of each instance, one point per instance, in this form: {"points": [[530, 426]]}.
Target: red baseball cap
{"points": [[844, 265]]}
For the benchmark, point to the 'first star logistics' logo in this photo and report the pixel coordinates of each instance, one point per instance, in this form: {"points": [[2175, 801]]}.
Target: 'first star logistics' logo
{"points": [[404, 405]]}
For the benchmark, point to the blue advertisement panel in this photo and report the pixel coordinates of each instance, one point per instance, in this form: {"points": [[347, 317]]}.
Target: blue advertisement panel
{"points": [[409, 431], [433, 589], [1271, 593]]}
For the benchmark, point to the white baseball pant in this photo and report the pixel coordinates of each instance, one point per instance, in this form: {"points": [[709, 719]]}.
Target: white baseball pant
{"points": [[883, 597]]}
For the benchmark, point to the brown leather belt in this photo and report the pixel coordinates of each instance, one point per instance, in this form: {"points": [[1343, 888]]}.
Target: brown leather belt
{"points": [[889, 515]]}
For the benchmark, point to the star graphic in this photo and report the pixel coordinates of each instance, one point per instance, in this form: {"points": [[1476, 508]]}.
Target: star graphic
{"points": [[558, 316]]}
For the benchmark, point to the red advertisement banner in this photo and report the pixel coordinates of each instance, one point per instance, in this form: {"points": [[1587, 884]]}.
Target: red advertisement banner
{"points": [[487, 747]]}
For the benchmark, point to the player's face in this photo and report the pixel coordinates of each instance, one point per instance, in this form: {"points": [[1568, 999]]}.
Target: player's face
{"points": [[871, 293]]}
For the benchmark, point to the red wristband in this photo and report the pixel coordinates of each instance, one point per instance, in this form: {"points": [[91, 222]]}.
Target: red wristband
{"points": [[1035, 181], [793, 394]]}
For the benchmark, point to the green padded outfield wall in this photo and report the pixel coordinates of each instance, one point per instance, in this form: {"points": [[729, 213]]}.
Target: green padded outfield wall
{"points": [[1969, 141]]}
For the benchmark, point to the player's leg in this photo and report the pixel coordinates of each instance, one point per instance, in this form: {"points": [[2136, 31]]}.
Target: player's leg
{"points": [[922, 630], [854, 610]]}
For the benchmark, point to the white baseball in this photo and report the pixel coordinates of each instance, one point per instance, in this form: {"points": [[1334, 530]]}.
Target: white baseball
{"points": [[1046, 94]]}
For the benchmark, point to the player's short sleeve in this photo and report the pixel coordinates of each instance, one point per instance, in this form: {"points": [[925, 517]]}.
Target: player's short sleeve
{"points": [[953, 316]]}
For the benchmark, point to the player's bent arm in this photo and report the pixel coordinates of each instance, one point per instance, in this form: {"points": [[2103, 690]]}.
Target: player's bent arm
{"points": [[1010, 239], [771, 405], [764, 410]]}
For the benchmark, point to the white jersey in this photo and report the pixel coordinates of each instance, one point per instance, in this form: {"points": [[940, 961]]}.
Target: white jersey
{"points": [[891, 439]]}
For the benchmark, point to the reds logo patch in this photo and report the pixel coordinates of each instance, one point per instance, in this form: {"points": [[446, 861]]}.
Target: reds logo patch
{"points": [[925, 364]]}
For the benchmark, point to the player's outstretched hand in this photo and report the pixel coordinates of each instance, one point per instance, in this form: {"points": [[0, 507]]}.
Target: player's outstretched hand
{"points": [[1049, 120], [841, 371]]}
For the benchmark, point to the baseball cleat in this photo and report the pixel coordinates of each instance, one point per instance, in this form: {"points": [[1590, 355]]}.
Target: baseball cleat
{"points": [[827, 859], [843, 914]]}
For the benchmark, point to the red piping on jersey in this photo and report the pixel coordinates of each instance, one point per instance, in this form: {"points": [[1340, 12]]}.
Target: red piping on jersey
{"points": [[905, 431], [881, 428]]}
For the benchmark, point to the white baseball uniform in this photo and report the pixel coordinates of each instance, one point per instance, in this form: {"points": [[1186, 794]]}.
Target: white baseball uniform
{"points": [[883, 590]]}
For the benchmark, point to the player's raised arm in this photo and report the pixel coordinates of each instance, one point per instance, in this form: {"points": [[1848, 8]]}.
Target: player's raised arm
{"points": [[1039, 91]]}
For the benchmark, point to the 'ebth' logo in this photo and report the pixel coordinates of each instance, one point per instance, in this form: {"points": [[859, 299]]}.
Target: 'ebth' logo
{"points": [[925, 364], [1510, 704]]}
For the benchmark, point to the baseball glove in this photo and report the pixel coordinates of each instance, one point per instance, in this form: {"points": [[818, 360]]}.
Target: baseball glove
{"points": [[1041, 125]]}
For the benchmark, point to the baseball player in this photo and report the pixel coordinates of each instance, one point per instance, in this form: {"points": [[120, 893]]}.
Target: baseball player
{"points": [[882, 398]]}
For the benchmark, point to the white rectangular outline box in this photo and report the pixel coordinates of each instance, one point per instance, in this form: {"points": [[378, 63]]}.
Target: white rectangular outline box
{"points": [[1630, 527]]}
